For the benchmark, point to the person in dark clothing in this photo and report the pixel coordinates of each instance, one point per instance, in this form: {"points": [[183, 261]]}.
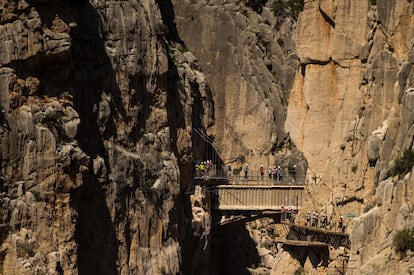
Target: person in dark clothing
{"points": [[246, 171], [261, 170]]}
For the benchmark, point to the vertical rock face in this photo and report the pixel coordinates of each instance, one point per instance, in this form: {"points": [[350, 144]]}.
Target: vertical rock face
{"points": [[99, 99], [349, 114], [249, 73], [95, 138]]}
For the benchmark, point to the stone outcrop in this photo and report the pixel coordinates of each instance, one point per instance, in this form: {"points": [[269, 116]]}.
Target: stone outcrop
{"points": [[348, 114], [249, 73], [100, 99], [96, 139]]}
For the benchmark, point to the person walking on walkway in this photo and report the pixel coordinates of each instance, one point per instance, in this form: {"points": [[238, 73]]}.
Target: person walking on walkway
{"points": [[341, 224], [275, 173], [308, 219], [261, 170], [246, 171], [323, 221], [290, 214], [202, 168], [229, 170], [293, 173]]}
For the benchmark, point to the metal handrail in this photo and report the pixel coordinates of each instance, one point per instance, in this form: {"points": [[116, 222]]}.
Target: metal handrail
{"points": [[250, 180]]}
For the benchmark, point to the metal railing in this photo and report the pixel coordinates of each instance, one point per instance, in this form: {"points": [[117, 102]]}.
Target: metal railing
{"points": [[252, 178]]}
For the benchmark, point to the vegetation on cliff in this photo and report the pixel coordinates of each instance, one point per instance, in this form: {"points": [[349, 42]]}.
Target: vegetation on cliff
{"points": [[402, 165], [403, 241]]}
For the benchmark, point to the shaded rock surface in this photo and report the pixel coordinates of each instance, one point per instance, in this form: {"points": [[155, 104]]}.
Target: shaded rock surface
{"points": [[100, 99], [249, 72], [95, 139]]}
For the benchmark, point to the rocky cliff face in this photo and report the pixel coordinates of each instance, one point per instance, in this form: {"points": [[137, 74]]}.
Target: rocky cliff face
{"points": [[349, 113], [95, 138], [99, 100], [249, 73], [348, 109]]}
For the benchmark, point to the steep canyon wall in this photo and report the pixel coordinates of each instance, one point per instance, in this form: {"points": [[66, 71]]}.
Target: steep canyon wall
{"points": [[99, 100], [349, 115], [348, 106], [96, 139]]}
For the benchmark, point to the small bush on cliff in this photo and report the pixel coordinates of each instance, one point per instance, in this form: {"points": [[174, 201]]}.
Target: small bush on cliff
{"points": [[256, 5], [53, 121], [236, 171], [300, 271], [369, 206], [354, 168], [287, 8], [402, 165], [403, 241]]}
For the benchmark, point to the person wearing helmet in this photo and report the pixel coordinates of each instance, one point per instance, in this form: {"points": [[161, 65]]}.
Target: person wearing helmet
{"points": [[202, 169], [291, 216], [308, 219], [341, 224], [269, 173], [323, 221]]}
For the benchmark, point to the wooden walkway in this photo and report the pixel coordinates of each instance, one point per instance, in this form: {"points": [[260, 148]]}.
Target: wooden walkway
{"points": [[246, 200], [301, 243], [257, 197], [305, 234]]}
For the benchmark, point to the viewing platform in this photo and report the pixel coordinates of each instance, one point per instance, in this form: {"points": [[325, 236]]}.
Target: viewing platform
{"points": [[254, 193], [256, 197]]}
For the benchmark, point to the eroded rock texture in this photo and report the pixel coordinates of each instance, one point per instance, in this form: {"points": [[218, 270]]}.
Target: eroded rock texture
{"points": [[250, 74], [349, 114], [99, 100], [95, 138]]}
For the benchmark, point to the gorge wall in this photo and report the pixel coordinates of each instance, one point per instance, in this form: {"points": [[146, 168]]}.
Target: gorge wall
{"points": [[95, 138], [247, 55], [348, 108], [99, 100], [351, 101]]}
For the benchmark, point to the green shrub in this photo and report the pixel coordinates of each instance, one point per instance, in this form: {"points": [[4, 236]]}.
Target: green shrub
{"points": [[403, 241], [290, 8], [236, 171], [241, 159], [354, 168], [402, 165], [369, 206], [280, 42], [361, 111], [256, 5], [300, 271]]}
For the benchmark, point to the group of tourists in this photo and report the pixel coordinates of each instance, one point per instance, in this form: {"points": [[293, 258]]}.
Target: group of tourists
{"points": [[205, 168], [277, 173], [287, 214], [323, 223], [312, 220]]}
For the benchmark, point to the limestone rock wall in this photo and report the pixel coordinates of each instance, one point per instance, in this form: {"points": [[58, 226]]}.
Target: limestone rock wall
{"points": [[99, 99], [349, 114], [95, 138], [249, 73]]}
